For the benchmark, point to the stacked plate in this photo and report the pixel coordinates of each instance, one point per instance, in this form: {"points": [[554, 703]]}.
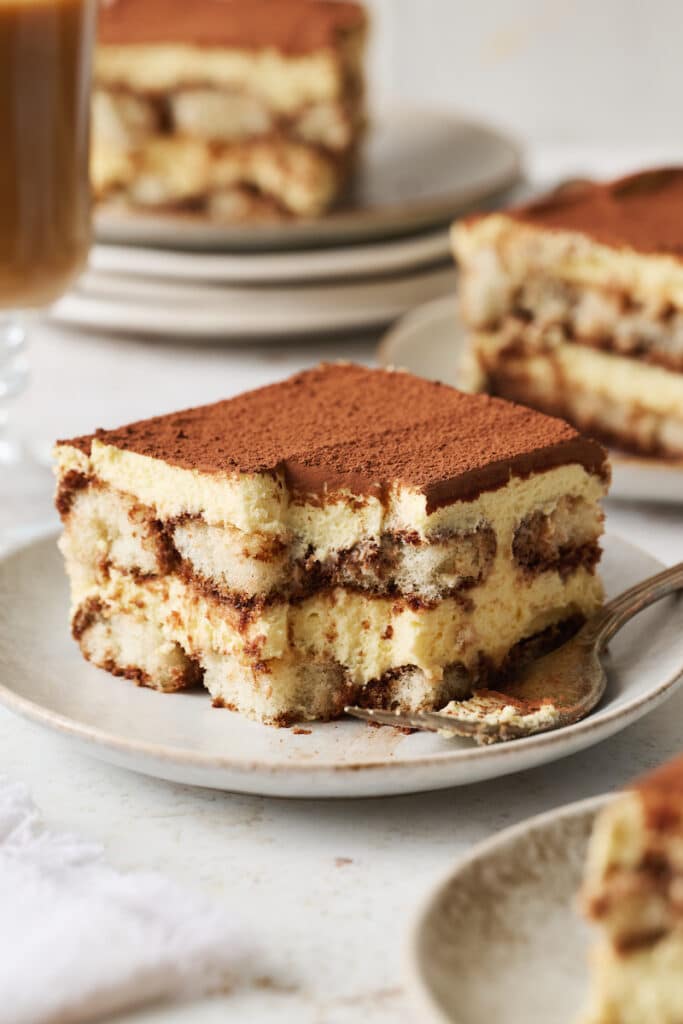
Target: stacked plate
{"points": [[385, 251]]}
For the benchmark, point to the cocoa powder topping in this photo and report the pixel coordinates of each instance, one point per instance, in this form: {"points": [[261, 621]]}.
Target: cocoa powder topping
{"points": [[345, 427], [642, 212], [291, 26]]}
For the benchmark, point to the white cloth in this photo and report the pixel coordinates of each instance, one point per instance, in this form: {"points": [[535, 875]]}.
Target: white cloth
{"points": [[79, 939]]}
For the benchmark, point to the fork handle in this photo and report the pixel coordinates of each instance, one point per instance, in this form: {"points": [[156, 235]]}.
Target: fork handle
{"points": [[618, 612]]}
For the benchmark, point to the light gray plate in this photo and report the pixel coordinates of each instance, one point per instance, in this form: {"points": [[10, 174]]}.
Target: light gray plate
{"points": [[179, 736], [500, 940], [240, 313], [419, 169], [430, 341], [347, 262]]}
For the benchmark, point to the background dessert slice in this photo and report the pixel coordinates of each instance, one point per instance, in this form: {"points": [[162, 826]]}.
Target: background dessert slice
{"points": [[345, 535], [243, 109], [575, 306], [634, 891]]}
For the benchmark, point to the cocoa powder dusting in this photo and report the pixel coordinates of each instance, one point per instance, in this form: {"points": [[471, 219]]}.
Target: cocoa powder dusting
{"points": [[291, 26], [345, 427], [643, 211]]}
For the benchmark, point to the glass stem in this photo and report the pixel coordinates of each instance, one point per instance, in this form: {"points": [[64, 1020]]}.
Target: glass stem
{"points": [[13, 377]]}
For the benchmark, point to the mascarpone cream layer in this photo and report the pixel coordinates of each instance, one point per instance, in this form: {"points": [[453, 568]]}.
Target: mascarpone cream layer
{"points": [[641, 988], [634, 903], [622, 837], [166, 169], [499, 244], [123, 119], [286, 83], [367, 635], [625, 889], [620, 378], [262, 503]]}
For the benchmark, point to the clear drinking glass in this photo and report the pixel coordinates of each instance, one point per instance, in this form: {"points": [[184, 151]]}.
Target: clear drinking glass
{"points": [[45, 63]]}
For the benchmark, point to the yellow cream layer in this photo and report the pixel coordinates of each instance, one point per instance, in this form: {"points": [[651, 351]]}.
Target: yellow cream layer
{"points": [[166, 169], [568, 367], [123, 119], [639, 985], [498, 245], [621, 838], [629, 899], [368, 636], [643, 987], [260, 502], [286, 83]]}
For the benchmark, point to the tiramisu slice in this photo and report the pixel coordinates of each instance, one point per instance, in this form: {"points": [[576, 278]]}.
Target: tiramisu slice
{"points": [[575, 307], [634, 891], [244, 109], [346, 536]]}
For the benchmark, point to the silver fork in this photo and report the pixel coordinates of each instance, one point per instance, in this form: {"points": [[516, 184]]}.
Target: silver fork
{"points": [[553, 691]]}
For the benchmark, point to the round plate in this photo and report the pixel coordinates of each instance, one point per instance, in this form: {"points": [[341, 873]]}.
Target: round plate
{"points": [[170, 309], [419, 169], [181, 737], [373, 259], [430, 342], [508, 912]]}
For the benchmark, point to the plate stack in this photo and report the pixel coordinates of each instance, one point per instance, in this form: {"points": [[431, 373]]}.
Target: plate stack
{"points": [[383, 252]]}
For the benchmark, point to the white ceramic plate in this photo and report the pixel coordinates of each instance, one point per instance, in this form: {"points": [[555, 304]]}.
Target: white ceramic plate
{"points": [[430, 342], [419, 169], [373, 259], [182, 738], [500, 940], [170, 309]]}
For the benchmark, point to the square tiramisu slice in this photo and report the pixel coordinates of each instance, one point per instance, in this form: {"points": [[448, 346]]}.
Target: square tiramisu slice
{"points": [[575, 307], [634, 892], [243, 109], [346, 536]]}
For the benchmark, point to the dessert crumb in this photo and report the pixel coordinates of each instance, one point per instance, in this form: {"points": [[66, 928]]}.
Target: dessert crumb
{"points": [[302, 732]]}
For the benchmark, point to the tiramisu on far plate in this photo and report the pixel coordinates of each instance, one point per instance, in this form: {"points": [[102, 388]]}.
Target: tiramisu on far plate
{"points": [[347, 536], [574, 305], [634, 891], [240, 109]]}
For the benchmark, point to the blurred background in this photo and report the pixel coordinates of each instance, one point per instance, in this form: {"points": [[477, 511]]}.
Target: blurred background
{"points": [[583, 88], [554, 72]]}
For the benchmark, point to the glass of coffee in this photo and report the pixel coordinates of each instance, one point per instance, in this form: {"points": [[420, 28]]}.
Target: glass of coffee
{"points": [[45, 61]]}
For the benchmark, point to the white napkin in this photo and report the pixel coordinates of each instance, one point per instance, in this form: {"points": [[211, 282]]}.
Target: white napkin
{"points": [[79, 939]]}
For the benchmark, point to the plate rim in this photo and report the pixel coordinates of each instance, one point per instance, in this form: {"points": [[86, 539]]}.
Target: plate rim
{"points": [[378, 301], [321, 769], [428, 312], [419, 992], [226, 267], [338, 227], [423, 315]]}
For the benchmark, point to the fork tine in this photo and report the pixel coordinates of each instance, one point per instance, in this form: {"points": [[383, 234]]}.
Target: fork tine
{"points": [[450, 723], [481, 732], [382, 717]]}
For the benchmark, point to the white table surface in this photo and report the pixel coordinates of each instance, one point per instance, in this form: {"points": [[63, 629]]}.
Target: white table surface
{"points": [[327, 890]]}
